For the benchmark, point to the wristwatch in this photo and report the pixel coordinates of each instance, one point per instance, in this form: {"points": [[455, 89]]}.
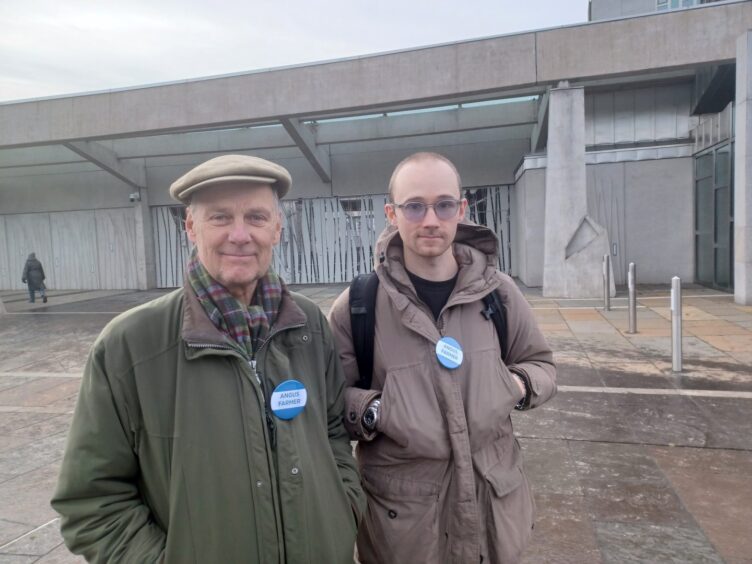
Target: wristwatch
{"points": [[371, 415]]}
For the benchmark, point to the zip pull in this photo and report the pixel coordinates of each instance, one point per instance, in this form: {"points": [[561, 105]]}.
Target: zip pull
{"points": [[252, 362], [272, 427]]}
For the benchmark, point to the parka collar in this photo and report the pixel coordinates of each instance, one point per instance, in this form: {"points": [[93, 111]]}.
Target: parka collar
{"points": [[475, 248]]}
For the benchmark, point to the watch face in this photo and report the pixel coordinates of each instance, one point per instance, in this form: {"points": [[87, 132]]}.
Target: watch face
{"points": [[369, 417]]}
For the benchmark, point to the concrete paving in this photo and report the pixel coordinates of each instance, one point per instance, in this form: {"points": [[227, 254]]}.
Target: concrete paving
{"points": [[629, 463]]}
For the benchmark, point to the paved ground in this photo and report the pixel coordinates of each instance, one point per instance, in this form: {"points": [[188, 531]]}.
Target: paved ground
{"points": [[630, 463]]}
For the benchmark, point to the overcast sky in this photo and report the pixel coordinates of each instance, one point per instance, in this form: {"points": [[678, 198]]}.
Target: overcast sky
{"points": [[52, 47]]}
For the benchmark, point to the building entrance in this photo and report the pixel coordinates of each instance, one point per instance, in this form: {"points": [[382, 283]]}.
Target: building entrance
{"points": [[714, 217]]}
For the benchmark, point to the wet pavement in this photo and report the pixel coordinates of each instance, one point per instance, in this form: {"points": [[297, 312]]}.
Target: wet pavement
{"points": [[629, 462]]}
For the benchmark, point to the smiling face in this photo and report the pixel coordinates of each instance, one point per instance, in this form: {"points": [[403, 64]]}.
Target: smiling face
{"points": [[428, 242], [235, 228]]}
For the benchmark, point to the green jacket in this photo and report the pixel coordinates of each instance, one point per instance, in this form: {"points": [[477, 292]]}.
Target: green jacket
{"points": [[173, 457]]}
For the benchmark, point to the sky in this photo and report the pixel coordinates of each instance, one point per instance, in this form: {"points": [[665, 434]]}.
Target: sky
{"points": [[56, 47]]}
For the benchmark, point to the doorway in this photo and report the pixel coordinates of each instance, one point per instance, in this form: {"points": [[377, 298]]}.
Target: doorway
{"points": [[714, 217]]}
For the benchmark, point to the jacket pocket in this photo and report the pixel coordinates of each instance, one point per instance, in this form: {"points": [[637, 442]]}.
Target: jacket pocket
{"points": [[401, 523], [411, 415], [509, 513]]}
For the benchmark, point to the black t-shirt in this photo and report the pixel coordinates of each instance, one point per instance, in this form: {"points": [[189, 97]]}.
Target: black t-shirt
{"points": [[433, 294]]}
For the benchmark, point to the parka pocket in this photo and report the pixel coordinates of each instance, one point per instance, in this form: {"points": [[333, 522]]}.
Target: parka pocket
{"points": [[509, 512], [412, 416], [401, 523]]}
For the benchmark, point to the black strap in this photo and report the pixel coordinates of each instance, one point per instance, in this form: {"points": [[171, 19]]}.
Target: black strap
{"points": [[495, 311], [363, 323]]}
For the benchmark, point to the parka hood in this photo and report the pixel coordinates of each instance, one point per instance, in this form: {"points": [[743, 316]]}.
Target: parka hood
{"points": [[475, 248]]}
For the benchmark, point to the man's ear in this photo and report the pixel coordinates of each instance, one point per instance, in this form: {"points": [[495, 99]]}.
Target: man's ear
{"points": [[463, 207], [190, 227], [278, 230], [390, 213]]}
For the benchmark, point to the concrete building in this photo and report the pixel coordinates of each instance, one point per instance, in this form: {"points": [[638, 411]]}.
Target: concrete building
{"points": [[626, 136]]}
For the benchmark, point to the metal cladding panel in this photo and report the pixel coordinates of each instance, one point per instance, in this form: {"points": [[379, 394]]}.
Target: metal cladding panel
{"points": [[29, 233], [5, 274], [624, 118], [606, 196], [644, 114], [665, 114], [116, 248], [603, 106], [171, 245], [74, 243]]}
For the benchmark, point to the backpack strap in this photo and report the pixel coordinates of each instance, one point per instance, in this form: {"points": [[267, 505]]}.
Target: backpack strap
{"points": [[495, 311], [363, 323]]}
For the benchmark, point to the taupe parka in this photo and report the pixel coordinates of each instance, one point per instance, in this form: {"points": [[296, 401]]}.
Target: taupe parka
{"points": [[170, 457], [443, 473]]}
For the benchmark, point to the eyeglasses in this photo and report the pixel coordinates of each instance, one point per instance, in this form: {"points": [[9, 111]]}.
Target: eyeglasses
{"points": [[416, 211]]}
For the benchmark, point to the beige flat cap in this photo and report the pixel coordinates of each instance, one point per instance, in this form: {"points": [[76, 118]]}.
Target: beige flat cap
{"points": [[231, 168]]}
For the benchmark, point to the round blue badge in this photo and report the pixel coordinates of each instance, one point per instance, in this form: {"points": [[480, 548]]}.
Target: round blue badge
{"points": [[288, 399], [449, 353]]}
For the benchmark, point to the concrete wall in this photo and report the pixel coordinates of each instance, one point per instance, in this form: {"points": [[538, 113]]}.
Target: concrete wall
{"points": [[647, 208], [527, 244], [608, 9], [55, 188], [357, 169], [526, 62]]}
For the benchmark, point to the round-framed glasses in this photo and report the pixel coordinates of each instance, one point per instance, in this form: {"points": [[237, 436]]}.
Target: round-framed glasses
{"points": [[416, 211]]}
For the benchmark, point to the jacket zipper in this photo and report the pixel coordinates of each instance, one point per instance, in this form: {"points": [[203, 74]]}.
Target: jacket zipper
{"points": [[270, 423]]}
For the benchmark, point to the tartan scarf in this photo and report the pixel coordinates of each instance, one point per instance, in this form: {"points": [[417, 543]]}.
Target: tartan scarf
{"points": [[245, 326]]}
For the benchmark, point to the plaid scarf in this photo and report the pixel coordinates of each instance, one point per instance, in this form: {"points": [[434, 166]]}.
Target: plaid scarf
{"points": [[244, 326]]}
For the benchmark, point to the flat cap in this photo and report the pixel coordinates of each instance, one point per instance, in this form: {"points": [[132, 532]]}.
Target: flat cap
{"points": [[231, 168]]}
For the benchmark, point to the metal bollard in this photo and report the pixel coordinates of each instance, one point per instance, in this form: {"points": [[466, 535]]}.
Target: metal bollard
{"points": [[607, 282], [676, 325], [632, 287]]}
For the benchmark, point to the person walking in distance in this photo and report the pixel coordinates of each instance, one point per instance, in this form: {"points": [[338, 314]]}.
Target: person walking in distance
{"points": [[33, 276]]}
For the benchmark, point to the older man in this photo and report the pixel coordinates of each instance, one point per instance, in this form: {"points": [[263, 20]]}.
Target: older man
{"points": [[209, 424], [440, 464]]}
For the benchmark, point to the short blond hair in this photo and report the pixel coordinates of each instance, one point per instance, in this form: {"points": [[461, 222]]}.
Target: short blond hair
{"points": [[420, 157]]}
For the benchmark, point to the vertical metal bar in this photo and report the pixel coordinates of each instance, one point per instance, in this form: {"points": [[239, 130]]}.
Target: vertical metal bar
{"points": [[607, 282], [632, 288], [676, 325]]}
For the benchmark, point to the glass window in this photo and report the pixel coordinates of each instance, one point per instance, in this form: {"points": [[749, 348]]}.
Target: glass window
{"points": [[704, 209], [722, 267], [722, 166], [662, 5], [704, 258], [722, 217], [704, 166]]}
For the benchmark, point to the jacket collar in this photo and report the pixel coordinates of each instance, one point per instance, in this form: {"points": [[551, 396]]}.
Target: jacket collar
{"points": [[198, 329]]}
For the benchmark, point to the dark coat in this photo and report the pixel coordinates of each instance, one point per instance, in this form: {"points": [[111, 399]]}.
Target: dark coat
{"points": [[33, 273]]}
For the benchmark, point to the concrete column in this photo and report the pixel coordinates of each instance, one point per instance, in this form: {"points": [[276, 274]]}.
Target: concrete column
{"points": [[743, 172], [574, 242], [146, 267]]}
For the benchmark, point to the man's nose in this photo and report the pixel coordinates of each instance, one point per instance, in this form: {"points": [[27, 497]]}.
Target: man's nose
{"points": [[239, 233], [430, 218]]}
